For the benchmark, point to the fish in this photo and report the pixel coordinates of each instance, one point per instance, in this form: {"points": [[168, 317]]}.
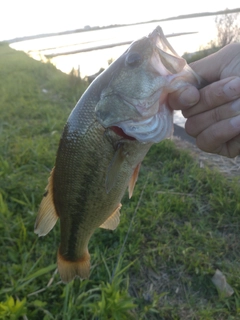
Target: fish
{"points": [[123, 112]]}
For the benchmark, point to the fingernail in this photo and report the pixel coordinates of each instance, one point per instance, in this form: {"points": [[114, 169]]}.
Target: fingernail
{"points": [[235, 105], [232, 88], [189, 96], [235, 122]]}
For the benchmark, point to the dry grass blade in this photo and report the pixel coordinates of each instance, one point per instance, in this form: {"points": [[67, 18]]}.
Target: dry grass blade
{"points": [[48, 285]]}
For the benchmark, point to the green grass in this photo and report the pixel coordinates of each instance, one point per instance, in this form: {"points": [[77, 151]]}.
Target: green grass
{"points": [[184, 220]]}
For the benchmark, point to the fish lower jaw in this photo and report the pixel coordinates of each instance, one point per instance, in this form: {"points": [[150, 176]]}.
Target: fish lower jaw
{"points": [[152, 129]]}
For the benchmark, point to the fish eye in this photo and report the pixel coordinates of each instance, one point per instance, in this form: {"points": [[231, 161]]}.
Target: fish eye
{"points": [[134, 59]]}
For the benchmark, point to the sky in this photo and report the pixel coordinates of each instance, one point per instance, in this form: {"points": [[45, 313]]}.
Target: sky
{"points": [[21, 18], [29, 17]]}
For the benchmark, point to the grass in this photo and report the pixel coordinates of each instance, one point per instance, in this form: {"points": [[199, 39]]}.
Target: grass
{"points": [[184, 220]]}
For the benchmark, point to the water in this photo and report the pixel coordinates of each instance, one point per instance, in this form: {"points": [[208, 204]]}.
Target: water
{"points": [[179, 119], [90, 62]]}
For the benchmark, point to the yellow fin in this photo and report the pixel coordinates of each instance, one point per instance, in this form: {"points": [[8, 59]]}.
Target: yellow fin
{"points": [[114, 169], [112, 222], [47, 216], [68, 270], [133, 180]]}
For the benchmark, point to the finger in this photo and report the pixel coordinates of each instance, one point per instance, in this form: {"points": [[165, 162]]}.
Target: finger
{"points": [[209, 68], [200, 122], [215, 137], [183, 99], [214, 95], [219, 65], [232, 148]]}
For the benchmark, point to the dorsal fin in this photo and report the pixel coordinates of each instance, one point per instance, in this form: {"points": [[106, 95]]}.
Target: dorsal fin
{"points": [[133, 180], [112, 222], [47, 216]]}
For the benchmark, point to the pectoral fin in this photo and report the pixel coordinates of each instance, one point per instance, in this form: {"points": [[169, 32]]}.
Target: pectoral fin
{"points": [[114, 169], [47, 216], [112, 221], [133, 180]]}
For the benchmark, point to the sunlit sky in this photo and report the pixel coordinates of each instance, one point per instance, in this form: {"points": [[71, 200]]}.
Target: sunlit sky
{"points": [[28, 17]]}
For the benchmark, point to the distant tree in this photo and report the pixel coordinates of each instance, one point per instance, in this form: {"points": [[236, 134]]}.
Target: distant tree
{"points": [[94, 76], [110, 61], [228, 29]]}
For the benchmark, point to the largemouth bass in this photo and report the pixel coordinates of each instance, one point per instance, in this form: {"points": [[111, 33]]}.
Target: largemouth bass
{"points": [[106, 137]]}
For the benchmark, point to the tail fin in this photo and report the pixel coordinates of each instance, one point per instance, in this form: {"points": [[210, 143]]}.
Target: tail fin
{"points": [[68, 270]]}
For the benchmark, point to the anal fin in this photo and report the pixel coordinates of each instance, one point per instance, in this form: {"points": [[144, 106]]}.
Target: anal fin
{"points": [[112, 222], [47, 216], [68, 270], [133, 180]]}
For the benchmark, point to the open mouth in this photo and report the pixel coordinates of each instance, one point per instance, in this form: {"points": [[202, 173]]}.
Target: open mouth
{"points": [[150, 122], [154, 126], [153, 129]]}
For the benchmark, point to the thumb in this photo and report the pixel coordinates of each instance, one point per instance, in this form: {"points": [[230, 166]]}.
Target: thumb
{"points": [[184, 98], [211, 67]]}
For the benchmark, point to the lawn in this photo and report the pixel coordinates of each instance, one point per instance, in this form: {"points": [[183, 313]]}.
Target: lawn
{"points": [[181, 225]]}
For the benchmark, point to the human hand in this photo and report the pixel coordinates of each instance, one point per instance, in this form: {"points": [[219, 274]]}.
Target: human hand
{"points": [[214, 112]]}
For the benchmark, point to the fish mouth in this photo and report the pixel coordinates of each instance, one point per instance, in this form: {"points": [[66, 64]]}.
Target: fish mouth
{"points": [[155, 124], [150, 119]]}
